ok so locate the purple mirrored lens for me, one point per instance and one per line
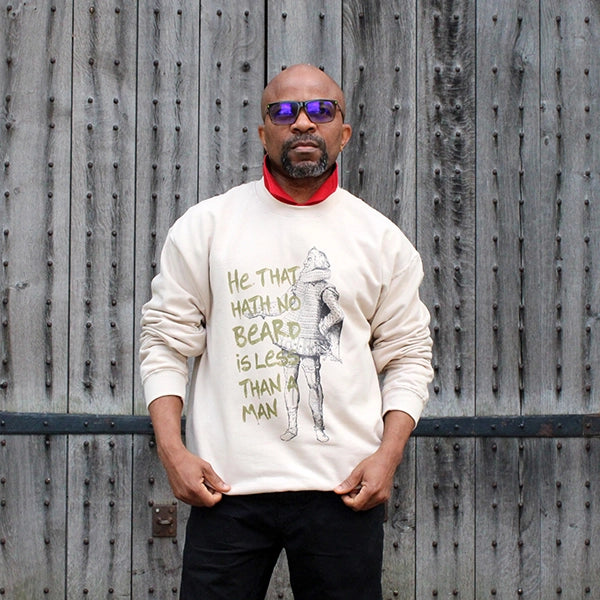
(283, 113)
(320, 111)
(285, 110)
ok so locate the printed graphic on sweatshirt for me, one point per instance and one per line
(305, 323)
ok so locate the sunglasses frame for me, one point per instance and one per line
(302, 105)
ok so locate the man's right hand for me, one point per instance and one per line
(192, 479)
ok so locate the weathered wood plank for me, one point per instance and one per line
(102, 211)
(445, 518)
(570, 528)
(380, 83)
(35, 83)
(399, 559)
(562, 292)
(507, 179)
(156, 562)
(531, 458)
(167, 136)
(231, 83)
(99, 509)
(446, 184)
(568, 38)
(501, 554)
(32, 517)
(304, 32)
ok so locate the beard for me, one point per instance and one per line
(306, 168)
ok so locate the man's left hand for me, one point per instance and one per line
(370, 483)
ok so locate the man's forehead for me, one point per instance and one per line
(301, 80)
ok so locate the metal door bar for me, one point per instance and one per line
(564, 425)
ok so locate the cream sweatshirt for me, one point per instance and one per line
(291, 314)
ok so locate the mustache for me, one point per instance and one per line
(303, 139)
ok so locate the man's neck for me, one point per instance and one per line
(301, 190)
(304, 191)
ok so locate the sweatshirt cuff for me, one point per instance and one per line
(164, 383)
(405, 400)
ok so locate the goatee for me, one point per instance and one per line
(306, 168)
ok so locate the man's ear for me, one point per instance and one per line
(261, 135)
(346, 134)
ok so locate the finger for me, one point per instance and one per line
(201, 495)
(208, 497)
(358, 498)
(368, 497)
(213, 481)
(352, 483)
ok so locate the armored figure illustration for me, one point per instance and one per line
(319, 317)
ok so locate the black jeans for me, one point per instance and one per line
(333, 552)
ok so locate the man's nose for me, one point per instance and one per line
(303, 123)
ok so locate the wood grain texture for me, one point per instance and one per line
(569, 481)
(99, 509)
(445, 512)
(32, 517)
(502, 537)
(379, 79)
(279, 587)
(565, 326)
(446, 184)
(156, 562)
(399, 557)
(35, 75)
(507, 180)
(304, 32)
(102, 210)
(231, 79)
(167, 137)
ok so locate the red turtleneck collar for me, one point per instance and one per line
(329, 186)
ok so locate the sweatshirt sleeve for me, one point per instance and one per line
(173, 323)
(401, 341)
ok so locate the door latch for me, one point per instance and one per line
(164, 520)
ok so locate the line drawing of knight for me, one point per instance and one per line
(318, 314)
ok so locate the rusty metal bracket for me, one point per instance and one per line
(164, 520)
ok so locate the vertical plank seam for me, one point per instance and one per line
(539, 119)
(475, 153)
(69, 304)
(475, 299)
(135, 205)
(416, 122)
(132, 495)
(198, 99)
(266, 43)
(539, 523)
(417, 244)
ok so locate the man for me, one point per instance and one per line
(236, 256)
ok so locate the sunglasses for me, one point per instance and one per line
(318, 111)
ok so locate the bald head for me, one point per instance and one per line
(302, 82)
